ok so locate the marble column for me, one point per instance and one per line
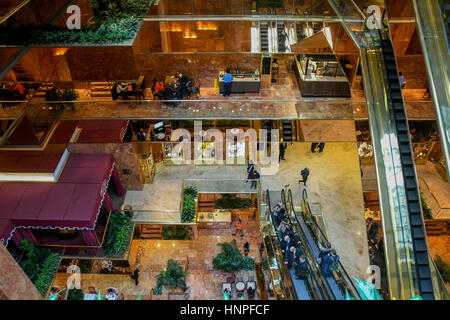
(14, 283)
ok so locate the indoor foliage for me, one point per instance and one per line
(444, 268)
(172, 277)
(75, 294)
(176, 233)
(118, 234)
(53, 95)
(231, 201)
(231, 259)
(427, 213)
(189, 200)
(40, 265)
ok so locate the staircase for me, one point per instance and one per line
(264, 36)
(409, 172)
(150, 231)
(206, 202)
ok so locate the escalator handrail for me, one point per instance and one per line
(283, 269)
(316, 273)
(341, 269)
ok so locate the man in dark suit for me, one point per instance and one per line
(285, 245)
(304, 173)
(314, 146)
(294, 256)
(254, 175)
(321, 146)
(302, 268)
(283, 147)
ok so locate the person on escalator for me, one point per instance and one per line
(301, 268)
(283, 226)
(323, 252)
(334, 265)
(285, 244)
(294, 256)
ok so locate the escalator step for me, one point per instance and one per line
(418, 232)
(407, 160)
(401, 127)
(420, 245)
(410, 183)
(424, 272)
(396, 95)
(398, 106)
(412, 195)
(416, 220)
(421, 258)
(409, 172)
(414, 208)
(405, 150)
(391, 66)
(403, 137)
(399, 116)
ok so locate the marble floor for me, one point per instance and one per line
(151, 256)
(334, 185)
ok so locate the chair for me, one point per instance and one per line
(251, 284)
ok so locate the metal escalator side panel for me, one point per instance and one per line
(435, 46)
(399, 250)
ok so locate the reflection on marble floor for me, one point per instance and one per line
(151, 256)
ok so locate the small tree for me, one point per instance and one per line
(172, 277)
(231, 259)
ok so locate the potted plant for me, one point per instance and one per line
(172, 277)
(54, 96)
(189, 203)
(231, 259)
(75, 294)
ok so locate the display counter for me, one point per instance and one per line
(321, 76)
(242, 83)
(215, 220)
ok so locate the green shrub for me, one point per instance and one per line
(75, 294)
(47, 273)
(176, 233)
(427, 213)
(231, 259)
(172, 277)
(189, 200)
(61, 95)
(118, 234)
(444, 268)
(231, 201)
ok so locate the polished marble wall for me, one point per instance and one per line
(14, 283)
(124, 156)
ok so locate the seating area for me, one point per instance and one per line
(238, 288)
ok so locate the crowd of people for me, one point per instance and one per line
(15, 92)
(291, 247)
(182, 86)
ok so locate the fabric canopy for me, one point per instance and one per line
(73, 202)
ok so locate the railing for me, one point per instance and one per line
(340, 275)
(441, 290)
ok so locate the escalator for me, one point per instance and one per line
(264, 36)
(339, 282)
(406, 251)
(288, 130)
(445, 9)
(281, 39)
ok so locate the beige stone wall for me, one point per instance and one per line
(14, 283)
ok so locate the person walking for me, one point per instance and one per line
(321, 146)
(227, 79)
(314, 146)
(283, 147)
(135, 276)
(246, 248)
(250, 169)
(304, 173)
(239, 228)
(254, 176)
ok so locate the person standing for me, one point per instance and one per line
(283, 147)
(246, 248)
(135, 276)
(250, 169)
(304, 173)
(227, 79)
(321, 146)
(314, 147)
(301, 268)
(239, 228)
(402, 80)
(254, 176)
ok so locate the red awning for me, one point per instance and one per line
(73, 202)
